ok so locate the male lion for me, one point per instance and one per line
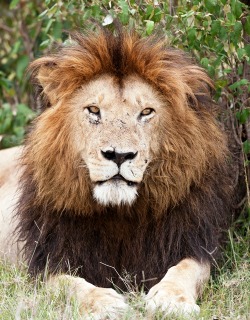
(124, 170)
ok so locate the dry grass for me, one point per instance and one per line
(227, 296)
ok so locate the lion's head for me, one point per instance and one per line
(123, 119)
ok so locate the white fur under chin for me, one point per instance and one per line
(110, 193)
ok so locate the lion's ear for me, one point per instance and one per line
(44, 82)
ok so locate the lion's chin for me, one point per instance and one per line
(115, 193)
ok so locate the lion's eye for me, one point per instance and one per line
(147, 112)
(94, 110)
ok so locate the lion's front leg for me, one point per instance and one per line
(178, 290)
(98, 303)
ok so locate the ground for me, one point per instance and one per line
(226, 297)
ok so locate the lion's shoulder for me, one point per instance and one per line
(9, 176)
(9, 168)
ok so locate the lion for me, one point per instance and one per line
(124, 170)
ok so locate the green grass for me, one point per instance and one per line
(227, 295)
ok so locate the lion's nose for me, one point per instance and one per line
(117, 157)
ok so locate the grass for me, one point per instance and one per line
(226, 297)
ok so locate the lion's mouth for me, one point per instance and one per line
(118, 177)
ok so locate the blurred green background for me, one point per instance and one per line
(216, 33)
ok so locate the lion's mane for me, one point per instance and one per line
(184, 199)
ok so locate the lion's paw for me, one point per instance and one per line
(165, 298)
(102, 304)
(95, 303)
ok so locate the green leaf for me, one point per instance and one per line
(236, 34)
(238, 84)
(210, 41)
(149, 27)
(223, 35)
(246, 146)
(240, 69)
(157, 15)
(51, 12)
(222, 83)
(205, 62)
(9, 141)
(43, 14)
(49, 25)
(241, 53)
(220, 48)
(191, 35)
(5, 83)
(211, 71)
(247, 25)
(45, 44)
(238, 9)
(6, 122)
(25, 110)
(247, 50)
(210, 5)
(215, 27)
(21, 66)
(188, 14)
(14, 4)
(124, 15)
(96, 10)
(243, 115)
(231, 17)
(238, 28)
(16, 46)
(19, 131)
(149, 12)
(57, 30)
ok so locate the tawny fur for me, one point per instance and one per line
(184, 199)
(192, 141)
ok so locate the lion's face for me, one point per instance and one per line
(116, 134)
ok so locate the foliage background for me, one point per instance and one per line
(216, 33)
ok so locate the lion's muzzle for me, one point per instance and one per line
(122, 186)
